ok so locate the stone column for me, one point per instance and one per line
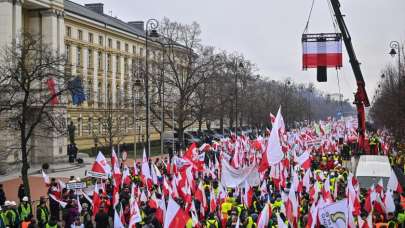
(11, 21)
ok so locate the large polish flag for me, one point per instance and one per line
(175, 215)
(101, 165)
(393, 183)
(322, 53)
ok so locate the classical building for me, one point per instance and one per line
(103, 50)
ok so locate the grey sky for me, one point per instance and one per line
(268, 32)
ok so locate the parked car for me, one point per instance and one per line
(170, 137)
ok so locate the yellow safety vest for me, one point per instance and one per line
(212, 222)
(25, 211)
(13, 217)
(189, 223)
(44, 215)
(49, 226)
(251, 223)
(226, 206)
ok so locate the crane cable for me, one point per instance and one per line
(332, 16)
(309, 17)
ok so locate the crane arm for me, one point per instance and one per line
(352, 55)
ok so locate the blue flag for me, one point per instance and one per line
(77, 91)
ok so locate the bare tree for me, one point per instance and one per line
(188, 64)
(26, 103)
(388, 99)
(112, 124)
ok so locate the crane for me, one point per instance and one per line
(360, 98)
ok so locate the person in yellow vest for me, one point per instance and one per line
(25, 208)
(52, 224)
(392, 222)
(1, 217)
(212, 222)
(11, 215)
(42, 213)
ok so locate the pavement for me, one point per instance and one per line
(63, 171)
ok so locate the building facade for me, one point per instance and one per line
(104, 51)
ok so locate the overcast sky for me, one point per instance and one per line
(268, 32)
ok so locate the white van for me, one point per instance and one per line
(371, 168)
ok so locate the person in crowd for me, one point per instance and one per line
(102, 218)
(21, 192)
(25, 209)
(42, 213)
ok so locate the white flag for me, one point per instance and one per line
(334, 215)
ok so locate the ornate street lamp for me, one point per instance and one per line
(150, 32)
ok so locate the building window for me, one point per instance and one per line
(100, 61)
(90, 125)
(68, 54)
(89, 91)
(99, 93)
(141, 52)
(80, 34)
(134, 49)
(118, 64)
(90, 37)
(109, 62)
(90, 58)
(68, 31)
(126, 48)
(110, 43)
(118, 96)
(79, 125)
(79, 56)
(118, 45)
(126, 65)
(100, 40)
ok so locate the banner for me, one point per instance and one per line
(334, 215)
(75, 185)
(96, 175)
(232, 177)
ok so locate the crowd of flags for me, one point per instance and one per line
(243, 164)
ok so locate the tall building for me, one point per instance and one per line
(105, 52)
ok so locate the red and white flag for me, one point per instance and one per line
(322, 53)
(264, 217)
(146, 170)
(393, 183)
(304, 160)
(101, 165)
(62, 204)
(96, 199)
(175, 215)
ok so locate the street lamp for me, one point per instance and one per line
(241, 66)
(136, 87)
(150, 32)
(396, 46)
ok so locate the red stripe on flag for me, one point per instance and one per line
(328, 60)
(52, 89)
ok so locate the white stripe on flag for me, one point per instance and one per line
(327, 47)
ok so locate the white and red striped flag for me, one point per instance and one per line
(175, 215)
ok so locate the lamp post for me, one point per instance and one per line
(152, 25)
(240, 65)
(396, 49)
(136, 86)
